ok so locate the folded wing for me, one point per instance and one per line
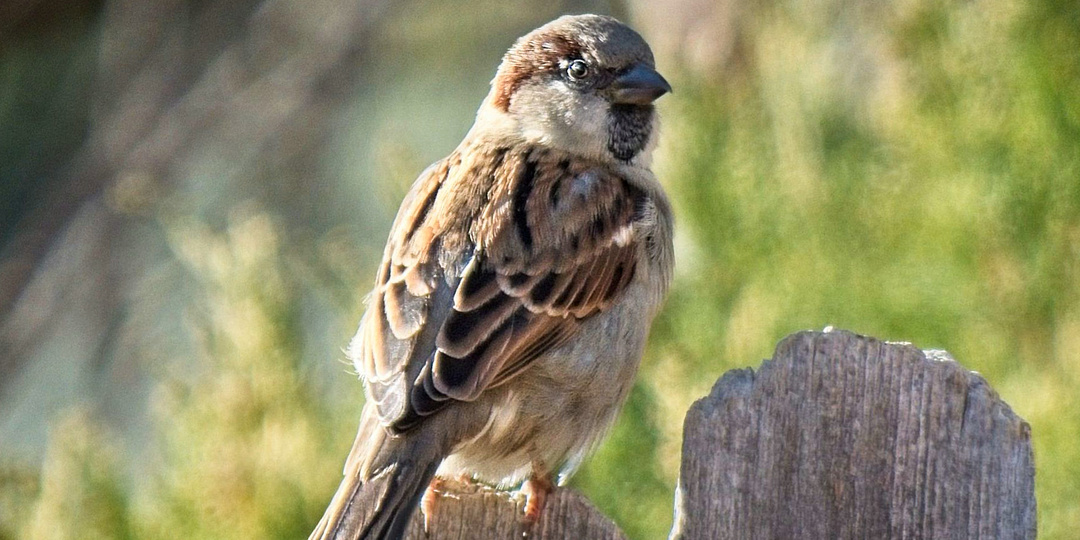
(486, 273)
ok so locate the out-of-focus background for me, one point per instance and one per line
(194, 194)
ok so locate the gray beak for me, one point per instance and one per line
(640, 85)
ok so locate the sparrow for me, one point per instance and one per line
(518, 285)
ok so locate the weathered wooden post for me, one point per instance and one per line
(474, 512)
(838, 436)
(844, 436)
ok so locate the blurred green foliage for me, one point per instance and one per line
(909, 171)
(245, 439)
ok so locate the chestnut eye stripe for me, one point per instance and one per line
(539, 55)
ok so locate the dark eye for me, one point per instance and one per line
(577, 70)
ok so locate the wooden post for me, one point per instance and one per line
(476, 512)
(844, 436)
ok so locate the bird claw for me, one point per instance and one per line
(429, 500)
(536, 489)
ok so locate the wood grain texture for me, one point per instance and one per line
(844, 436)
(478, 513)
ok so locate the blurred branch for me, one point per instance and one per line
(250, 83)
(19, 16)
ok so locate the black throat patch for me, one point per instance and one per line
(629, 127)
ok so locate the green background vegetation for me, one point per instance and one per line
(909, 171)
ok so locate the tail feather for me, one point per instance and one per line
(385, 477)
(406, 489)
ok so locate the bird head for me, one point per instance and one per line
(583, 84)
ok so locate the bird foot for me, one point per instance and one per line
(438, 488)
(536, 490)
(429, 500)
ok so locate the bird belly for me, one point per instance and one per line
(553, 414)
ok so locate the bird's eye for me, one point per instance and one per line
(577, 70)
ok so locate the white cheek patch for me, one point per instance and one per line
(593, 120)
(554, 114)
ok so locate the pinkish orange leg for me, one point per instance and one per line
(536, 489)
(435, 489)
(429, 500)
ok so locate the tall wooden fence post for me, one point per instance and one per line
(844, 436)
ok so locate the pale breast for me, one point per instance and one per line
(555, 413)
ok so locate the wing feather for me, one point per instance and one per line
(480, 278)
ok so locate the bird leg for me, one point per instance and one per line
(435, 490)
(536, 489)
(427, 502)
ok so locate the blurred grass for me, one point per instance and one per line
(909, 171)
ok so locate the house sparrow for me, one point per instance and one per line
(518, 285)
